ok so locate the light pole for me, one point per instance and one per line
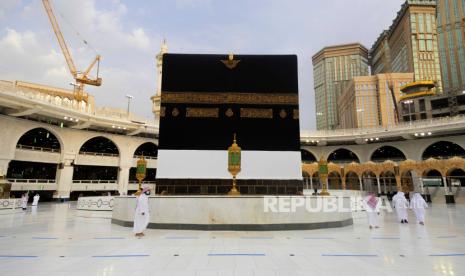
(129, 102)
(360, 110)
(74, 85)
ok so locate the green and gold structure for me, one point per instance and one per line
(234, 165)
(323, 174)
(141, 171)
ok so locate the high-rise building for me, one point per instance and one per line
(411, 44)
(380, 55)
(451, 32)
(371, 101)
(333, 66)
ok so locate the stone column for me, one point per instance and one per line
(379, 184)
(422, 187)
(416, 178)
(398, 183)
(446, 189)
(361, 183)
(4, 166)
(64, 180)
(343, 181)
(123, 179)
(311, 183)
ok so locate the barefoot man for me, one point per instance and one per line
(142, 215)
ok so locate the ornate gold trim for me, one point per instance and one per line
(257, 113)
(283, 114)
(230, 62)
(295, 114)
(229, 112)
(193, 112)
(229, 98)
(162, 111)
(175, 112)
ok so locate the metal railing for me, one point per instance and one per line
(58, 98)
(99, 154)
(381, 160)
(146, 157)
(428, 123)
(90, 181)
(63, 99)
(245, 189)
(143, 182)
(343, 161)
(43, 149)
(444, 157)
(32, 181)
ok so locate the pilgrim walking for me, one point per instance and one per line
(35, 200)
(400, 203)
(142, 215)
(371, 203)
(24, 199)
(418, 205)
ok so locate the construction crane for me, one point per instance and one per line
(81, 78)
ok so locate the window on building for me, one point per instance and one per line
(421, 28)
(422, 45)
(428, 23)
(438, 104)
(413, 20)
(422, 104)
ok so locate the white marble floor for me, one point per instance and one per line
(53, 241)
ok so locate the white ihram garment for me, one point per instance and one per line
(24, 200)
(141, 215)
(35, 202)
(400, 204)
(372, 213)
(418, 205)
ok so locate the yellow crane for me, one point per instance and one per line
(80, 78)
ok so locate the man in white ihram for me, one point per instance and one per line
(24, 199)
(418, 205)
(35, 200)
(142, 215)
(400, 203)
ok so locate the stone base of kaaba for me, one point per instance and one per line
(242, 213)
(222, 186)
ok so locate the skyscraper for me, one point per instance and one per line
(411, 44)
(369, 101)
(333, 67)
(451, 32)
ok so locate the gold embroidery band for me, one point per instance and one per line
(192, 112)
(257, 113)
(229, 98)
(162, 111)
(296, 114)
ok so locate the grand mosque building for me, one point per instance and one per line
(222, 180)
(64, 148)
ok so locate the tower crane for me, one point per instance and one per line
(81, 78)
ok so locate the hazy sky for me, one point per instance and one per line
(128, 35)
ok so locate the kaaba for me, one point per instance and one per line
(206, 100)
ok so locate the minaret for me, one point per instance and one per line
(156, 99)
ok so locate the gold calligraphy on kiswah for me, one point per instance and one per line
(230, 98)
(193, 112)
(262, 113)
